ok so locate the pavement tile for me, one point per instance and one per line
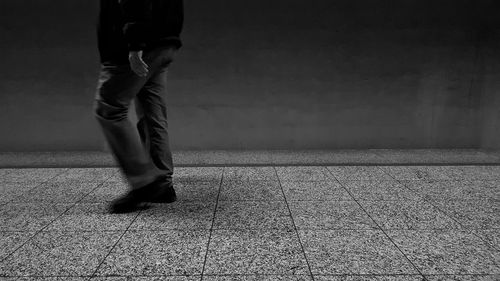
(149, 278)
(177, 215)
(408, 215)
(259, 251)
(106, 192)
(250, 190)
(190, 174)
(257, 278)
(69, 191)
(65, 278)
(462, 277)
(197, 191)
(252, 214)
(315, 190)
(86, 175)
(116, 175)
(418, 172)
(29, 217)
(353, 252)
(375, 190)
(91, 217)
(491, 236)
(250, 173)
(10, 241)
(447, 251)
(437, 155)
(330, 215)
(475, 172)
(60, 254)
(455, 190)
(301, 173)
(344, 173)
(473, 214)
(156, 253)
(11, 190)
(29, 174)
(369, 278)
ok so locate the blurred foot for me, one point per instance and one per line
(164, 193)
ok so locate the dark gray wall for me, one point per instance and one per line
(274, 74)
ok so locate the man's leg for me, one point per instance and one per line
(118, 86)
(153, 125)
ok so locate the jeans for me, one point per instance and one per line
(142, 152)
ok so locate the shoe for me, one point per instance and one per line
(125, 204)
(165, 193)
(132, 201)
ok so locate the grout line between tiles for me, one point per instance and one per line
(213, 223)
(56, 218)
(294, 226)
(446, 213)
(380, 228)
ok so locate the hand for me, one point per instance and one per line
(137, 63)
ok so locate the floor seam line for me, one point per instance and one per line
(213, 223)
(380, 228)
(294, 225)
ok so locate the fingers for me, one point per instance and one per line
(139, 67)
(137, 64)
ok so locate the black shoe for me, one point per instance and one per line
(125, 204)
(165, 193)
(132, 201)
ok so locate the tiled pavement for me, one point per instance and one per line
(256, 223)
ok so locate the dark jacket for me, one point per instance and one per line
(132, 25)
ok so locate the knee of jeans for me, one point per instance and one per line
(108, 112)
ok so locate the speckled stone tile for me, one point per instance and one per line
(353, 252)
(475, 172)
(149, 278)
(58, 192)
(197, 191)
(106, 192)
(437, 156)
(375, 190)
(417, 172)
(462, 277)
(91, 217)
(10, 241)
(491, 236)
(190, 174)
(250, 173)
(11, 190)
(29, 217)
(301, 173)
(177, 215)
(116, 175)
(408, 215)
(252, 215)
(473, 214)
(145, 253)
(344, 173)
(447, 251)
(251, 190)
(455, 190)
(315, 190)
(65, 278)
(259, 251)
(86, 175)
(414, 277)
(30, 174)
(330, 215)
(258, 278)
(60, 254)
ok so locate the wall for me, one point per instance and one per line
(276, 74)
